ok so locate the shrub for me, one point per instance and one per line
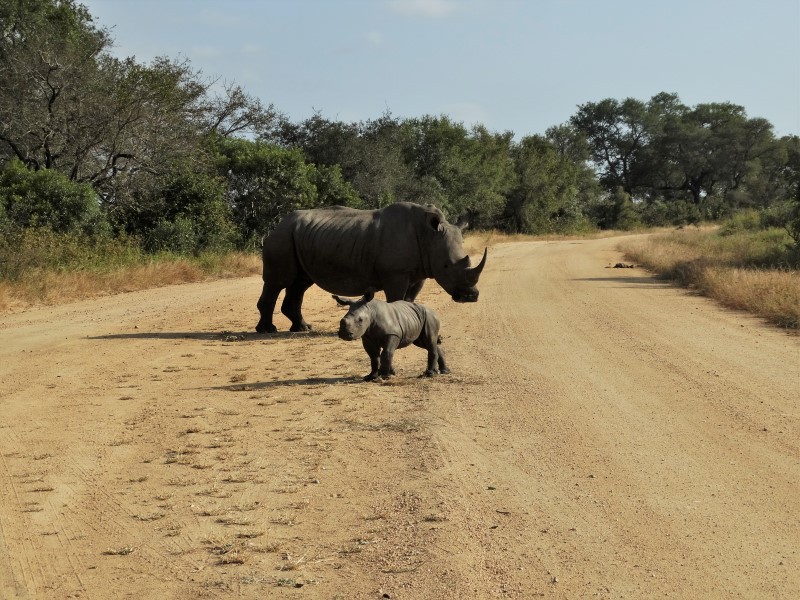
(48, 199)
(747, 220)
(177, 237)
(659, 213)
(778, 215)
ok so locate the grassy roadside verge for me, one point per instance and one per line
(42, 268)
(57, 287)
(752, 271)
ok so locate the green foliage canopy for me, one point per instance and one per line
(93, 143)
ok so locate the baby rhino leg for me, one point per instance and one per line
(442, 364)
(436, 362)
(373, 350)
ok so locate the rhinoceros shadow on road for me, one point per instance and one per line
(629, 281)
(220, 336)
(265, 385)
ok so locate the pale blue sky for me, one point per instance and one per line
(509, 64)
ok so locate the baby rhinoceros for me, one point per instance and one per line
(385, 326)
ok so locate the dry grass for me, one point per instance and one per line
(743, 272)
(59, 286)
(476, 241)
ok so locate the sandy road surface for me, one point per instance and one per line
(602, 435)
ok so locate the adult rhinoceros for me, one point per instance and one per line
(347, 251)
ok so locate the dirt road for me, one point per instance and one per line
(603, 435)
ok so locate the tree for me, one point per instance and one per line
(792, 190)
(466, 172)
(547, 196)
(265, 182)
(324, 142)
(66, 104)
(382, 173)
(616, 132)
(48, 54)
(615, 211)
(684, 163)
(712, 149)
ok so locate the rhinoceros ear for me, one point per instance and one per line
(434, 222)
(342, 301)
(435, 218)
(369, 295)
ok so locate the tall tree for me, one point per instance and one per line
(550, 189)
(266, 181)
(48, 66)
(617, 132)
(67, 104)
(466, 172)
(710, 150)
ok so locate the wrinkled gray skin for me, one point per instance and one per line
(346, 251)
(386, 326)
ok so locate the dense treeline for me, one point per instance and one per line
(96, 146)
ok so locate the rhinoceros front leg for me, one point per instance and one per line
(413, 291)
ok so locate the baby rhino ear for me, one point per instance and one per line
(342, 301)
(369, 295)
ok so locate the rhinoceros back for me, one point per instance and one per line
(337, 247)
(346, 251)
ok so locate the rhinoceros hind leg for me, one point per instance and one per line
(293, 302)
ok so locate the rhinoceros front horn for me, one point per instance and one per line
(475, 272)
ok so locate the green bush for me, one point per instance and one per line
(195, 212)
(177, 237)
(778, 215)
(48, 199)
(265, 182)
(747, 220)
(660, 213)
